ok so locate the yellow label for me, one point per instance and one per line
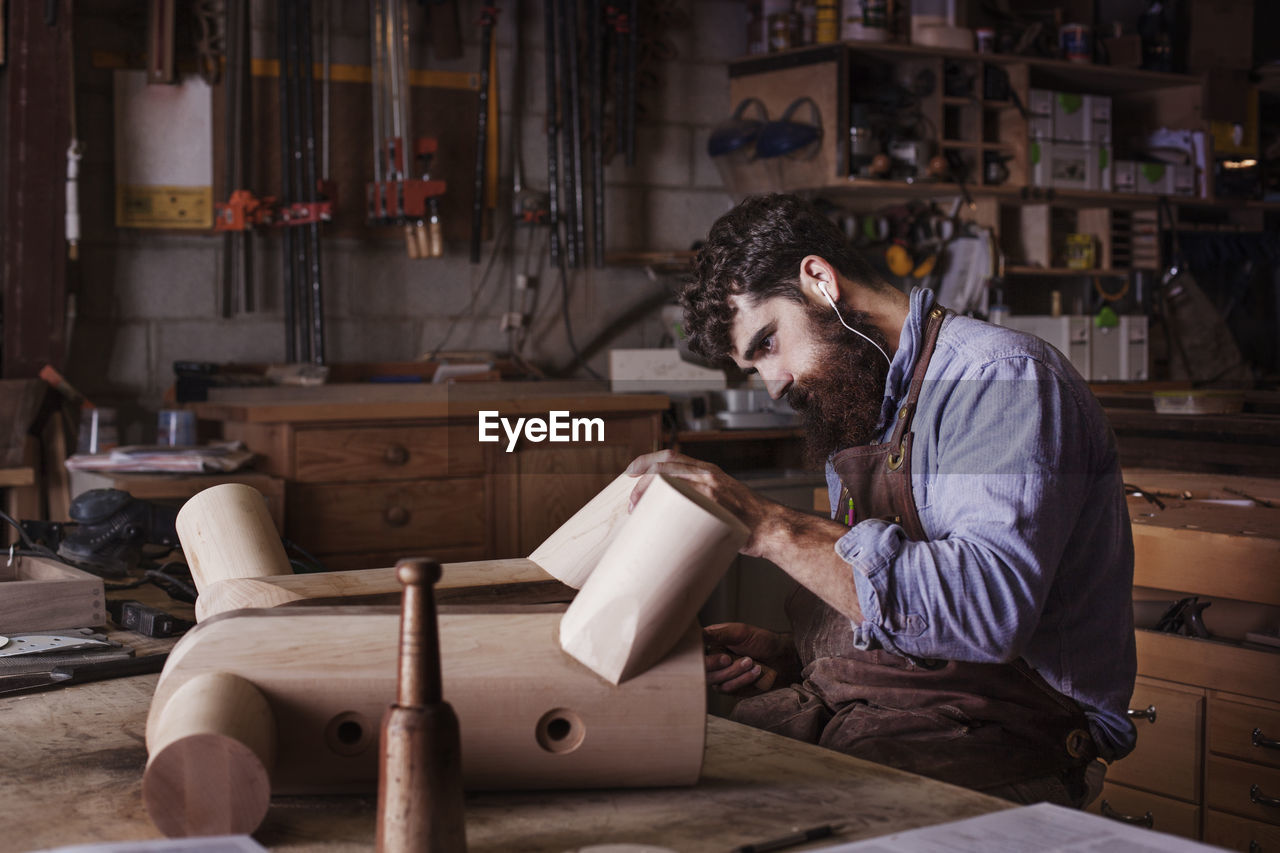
(164, 207)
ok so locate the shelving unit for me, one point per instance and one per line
(968, 108)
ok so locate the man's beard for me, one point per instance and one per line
(839, 403)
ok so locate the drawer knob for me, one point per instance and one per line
(397, 516)
(1256, 796)
(1149, 714)
(396, 454)
(1259, 739)
(1146, 820)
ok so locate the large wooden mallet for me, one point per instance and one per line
(420, 800)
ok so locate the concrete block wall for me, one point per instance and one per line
(145, 299)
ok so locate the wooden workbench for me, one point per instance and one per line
(73, 761)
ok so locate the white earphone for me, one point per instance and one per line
(827, 294)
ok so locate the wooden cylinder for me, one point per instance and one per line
(212, 751)
(420, 802)
(651, 581)
(227, 532)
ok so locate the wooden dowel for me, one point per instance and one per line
(211, 756)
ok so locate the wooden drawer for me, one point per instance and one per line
(349, 454)
(1234, 786)
(1162, 814)
(403, 517)
(1239, 833)
(1233, 722)
(1168, 755)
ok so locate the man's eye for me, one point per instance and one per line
(766, 345)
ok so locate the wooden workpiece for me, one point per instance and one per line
(651, 580)
(531, 716)
(754, 785)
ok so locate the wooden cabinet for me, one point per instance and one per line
(1210, 760)
(373, 473)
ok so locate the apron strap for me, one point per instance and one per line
(936, 316)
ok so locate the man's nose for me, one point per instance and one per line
(778, 385)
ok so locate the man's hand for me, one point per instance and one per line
(742, 658)
(709, 480)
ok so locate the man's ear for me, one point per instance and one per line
(817, 276)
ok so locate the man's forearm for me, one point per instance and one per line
(803, 546)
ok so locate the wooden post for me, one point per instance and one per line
(420, 801)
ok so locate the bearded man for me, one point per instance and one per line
(966, 613)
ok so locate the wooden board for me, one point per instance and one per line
(40, 594)
(330, 673)
(754, 785)
(496, 581)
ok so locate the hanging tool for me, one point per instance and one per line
(633, 29)
(160, 42)
(488, 18)
(575, 121)
(420, 798)
(237, 286)
(553, 133)
(595, 77)
(571, 127)
(395, 196)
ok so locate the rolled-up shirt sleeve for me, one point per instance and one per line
(1004, 492)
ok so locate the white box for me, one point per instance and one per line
(1039, 154)
(1070, 166)
(1184, 179)
(1070, 118)
(1097, 115)
(1040, 127)
(1156, 178)
(1069, 334)
(644, 370)
(1125, 176)
(1102, 175)
(1040, 102)
(1120, 353)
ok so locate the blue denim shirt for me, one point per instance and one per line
(1029, 551)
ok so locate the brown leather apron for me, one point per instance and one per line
(972, 724)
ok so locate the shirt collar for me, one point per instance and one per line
(910, 339)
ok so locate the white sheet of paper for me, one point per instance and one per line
(1044, 828)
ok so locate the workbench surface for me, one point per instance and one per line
(73, 760)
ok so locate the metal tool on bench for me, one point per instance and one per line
(107, 531)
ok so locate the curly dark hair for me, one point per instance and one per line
(756, 249)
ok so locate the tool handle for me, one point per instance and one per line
(419, 677)
(81, 673)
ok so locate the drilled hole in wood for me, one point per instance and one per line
(560, 730)
(348, 734)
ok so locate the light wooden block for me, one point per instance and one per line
(38, 594)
